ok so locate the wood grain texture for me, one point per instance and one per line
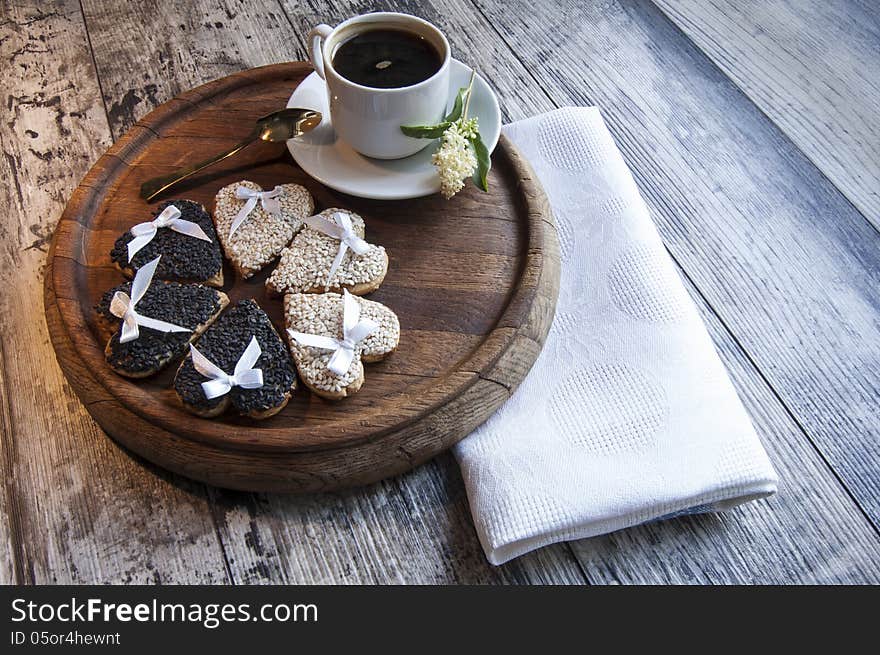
(78, 508)
(787, 263)
(416, 527)
(411, 529)
(812, 67)
(150, 51)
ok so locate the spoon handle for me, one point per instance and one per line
(152, 188)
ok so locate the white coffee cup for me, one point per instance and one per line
(368, 118)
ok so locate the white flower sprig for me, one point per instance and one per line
(454, 159)
(462, 153)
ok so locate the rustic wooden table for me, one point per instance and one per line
(753, 130)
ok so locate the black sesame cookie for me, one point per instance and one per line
(190, 306)
(263, 235)
(306, 263)
(322, 315)
(184, 258)
(223, 344)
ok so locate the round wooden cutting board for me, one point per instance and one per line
(474, 281)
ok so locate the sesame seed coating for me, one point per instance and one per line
(223, 344)
(261, 238)
(183, 257)
(186, 305)
(321, 314)
(305, 264)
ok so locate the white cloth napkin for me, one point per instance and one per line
(628, 415)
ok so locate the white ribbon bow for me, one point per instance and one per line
(245, 375)
(268, 199)
(123, 306)
(354, 330)
(143, 233)
(343, 230)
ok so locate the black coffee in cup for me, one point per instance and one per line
(386, 59)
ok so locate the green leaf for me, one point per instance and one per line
(425, 131)
(436, 131)
(457, 107)
(483, 162)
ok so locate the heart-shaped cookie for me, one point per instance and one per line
(239, 362)
(329, 254)
(331, 335)
(149, 323)
(182, 233)
(254, 225)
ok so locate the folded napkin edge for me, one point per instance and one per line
(724, 500)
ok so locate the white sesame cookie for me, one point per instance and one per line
(321, 314)
(306, 262)
(262, 236)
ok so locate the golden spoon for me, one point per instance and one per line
(279, 126)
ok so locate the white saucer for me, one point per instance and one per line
(330, 161)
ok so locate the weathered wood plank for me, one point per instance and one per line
(413, 529)
(361, 536)
(11, 558)
(286, 527)
(791, 268)
(78, 508)
(813, 67)
(148, 52)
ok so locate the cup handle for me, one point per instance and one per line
(316, 36)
